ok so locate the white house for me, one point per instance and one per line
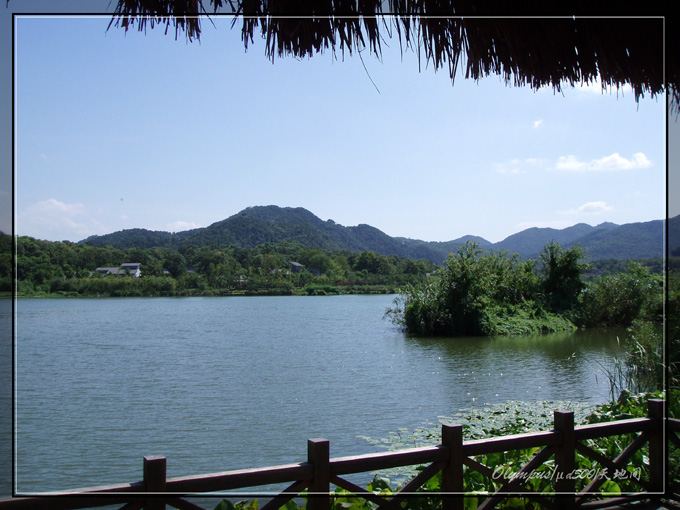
(133, 268)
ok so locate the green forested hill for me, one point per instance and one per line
(133, 238)
(527, 243)
(272, 224)
(674, 236)
(255, 226)
(629, 241)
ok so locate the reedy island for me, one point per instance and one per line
(493, 293)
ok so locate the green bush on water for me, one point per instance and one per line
(486, 293)
(478, 293)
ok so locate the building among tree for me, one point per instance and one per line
(128, 268)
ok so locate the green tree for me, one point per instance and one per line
(321, 262)
(563, 276)
(619, 299)
(175, 263)
(373, 263)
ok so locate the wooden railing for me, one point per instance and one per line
(319, 472)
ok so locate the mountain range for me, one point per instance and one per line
(272, 224)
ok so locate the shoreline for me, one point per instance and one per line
(309, 291)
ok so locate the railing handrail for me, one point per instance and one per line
(387, 460)
(512, 442)
(239, 478)
(673, 424)
(197, 485)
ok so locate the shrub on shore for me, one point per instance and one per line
(621, 298)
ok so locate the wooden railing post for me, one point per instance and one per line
(154, 479)
(565, 459)
(318, 454)
(657, 471)
(452, 474)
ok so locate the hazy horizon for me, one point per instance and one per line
(325, 219)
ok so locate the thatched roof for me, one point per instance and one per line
(567, 45)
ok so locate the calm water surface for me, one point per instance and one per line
(227, 383)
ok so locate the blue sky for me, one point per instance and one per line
(117, 130)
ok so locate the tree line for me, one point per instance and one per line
(474, 292)
(65, 268)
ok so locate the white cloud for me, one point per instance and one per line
(590, 208)
(502, 168)
(587, 209)
(594, 208)
(614, 162)
(179, 226)
(54, 206)
(56, 221)
(518, 166)
(537, 123)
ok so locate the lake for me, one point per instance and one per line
(235, 382)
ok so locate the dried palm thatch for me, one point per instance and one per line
(560, 47)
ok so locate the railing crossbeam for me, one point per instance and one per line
(587, 451)
(613, 428)
(183, 504)
(382, 502)
(513, 442)
(238, 479)
(674, 438)
(488, 472)
(485, 470)
(132, 505)
(417, 481)
(604, 461)
(617, 463)
(289, 493)
(422, 477)
(515, 483)
(388, 460)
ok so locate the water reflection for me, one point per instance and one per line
(569, 366)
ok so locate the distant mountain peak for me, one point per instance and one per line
(608, 225)
(256, 225)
